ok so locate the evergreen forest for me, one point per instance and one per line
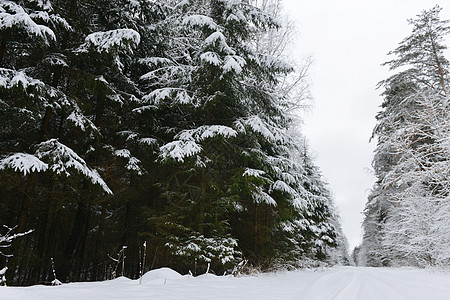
(136, 134)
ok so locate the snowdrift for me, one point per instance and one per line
(335, 283)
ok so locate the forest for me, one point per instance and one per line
(407, 215)
(140, 134)
(137, 134)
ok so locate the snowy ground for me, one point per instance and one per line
(335, 283)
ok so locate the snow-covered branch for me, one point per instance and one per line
(7, 238)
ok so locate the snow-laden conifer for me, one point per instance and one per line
(403, 223)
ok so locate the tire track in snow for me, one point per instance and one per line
(350, 283)
(342, 285)
(351, 290)
(390, 284)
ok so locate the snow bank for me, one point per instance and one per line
(160, 276)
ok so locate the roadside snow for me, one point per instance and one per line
(334, 283)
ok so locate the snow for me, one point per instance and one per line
(259, 196)
(234, 63)
(79, 120)
(201, 248)
(274, 62)
(155, 61)
(283, 187)
(133, 162)
(125, 153)
(234, 18)
(258, 125)
(218, 37)
(335, 283)
(23, 163)
(133, 165)
(56, 60)
(148, 141)
(112, 39)
(158, 274)
(176, 95)
(200, 20)
(187, 145)
(179, 150)
(288, 178)
(63, 160)
(43, 4)
(56, 282)
(253, 173)
(182, 3)
(11, 78)
(230, 3)
(207, 131)
(44, 16)
(299, 202)
(22, 20)
(211, 58)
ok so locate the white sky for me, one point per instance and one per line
(348, 40)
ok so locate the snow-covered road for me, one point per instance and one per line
(379, 283)
(334, 283)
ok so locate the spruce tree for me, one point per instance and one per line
(166, 121)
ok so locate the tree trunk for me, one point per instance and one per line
(5, 37)
(202, 202)
(38, 270)
(99, 242)
(256, 228)
(439, 65)
(77, 229)
(45, 124)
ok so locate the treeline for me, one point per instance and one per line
(407, 216)
(170, 122)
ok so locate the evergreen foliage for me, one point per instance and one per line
(162, 121)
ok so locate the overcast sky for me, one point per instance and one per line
(348, 40)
